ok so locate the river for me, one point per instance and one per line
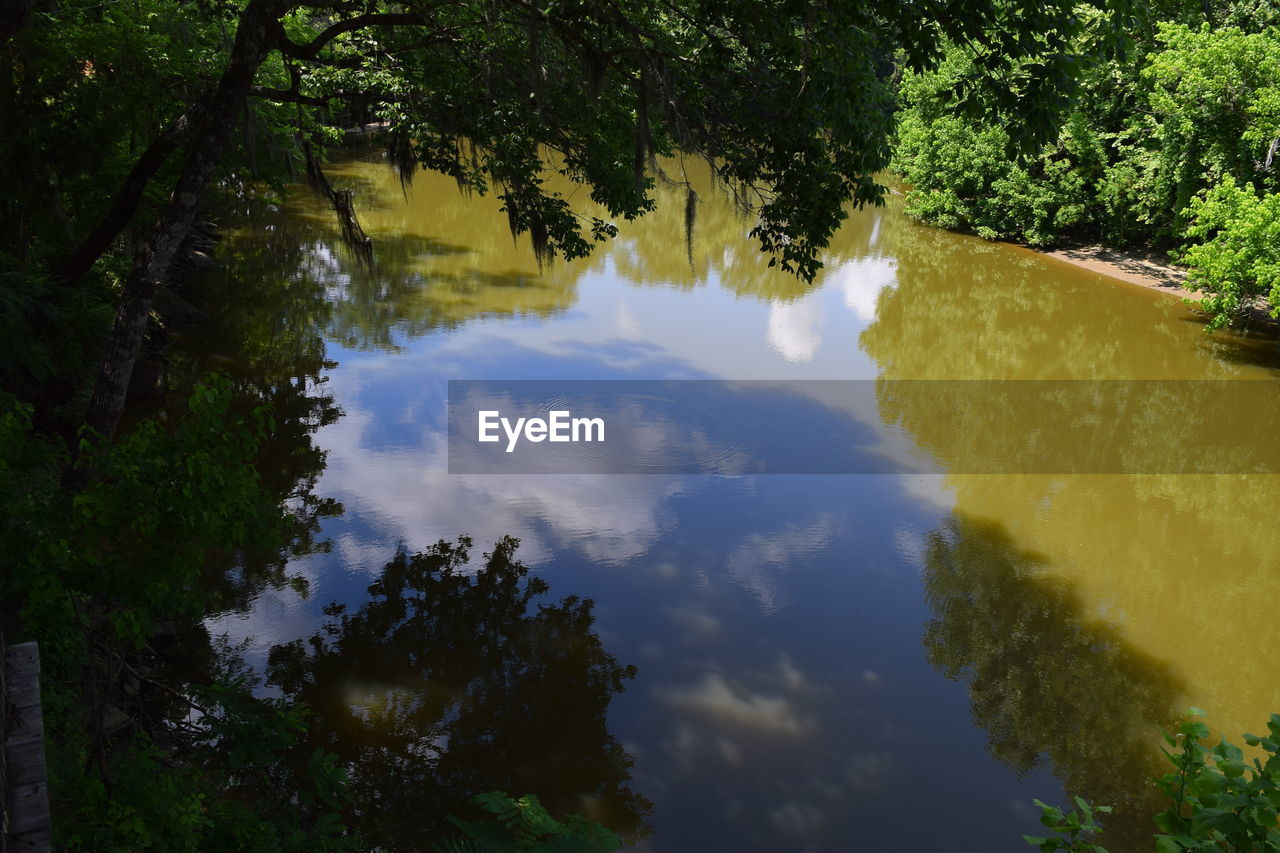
(778, 662)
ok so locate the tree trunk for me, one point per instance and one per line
(257, 35)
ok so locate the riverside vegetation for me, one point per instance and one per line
(1219, 800)
(126, 127)
(1173, 145)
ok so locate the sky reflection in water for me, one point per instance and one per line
(784, 699)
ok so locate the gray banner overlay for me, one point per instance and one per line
(863, 427)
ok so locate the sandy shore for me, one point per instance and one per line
(1151, 269)
(1148, 269)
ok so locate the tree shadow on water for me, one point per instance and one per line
(450, 681)
(1257, 344)
(1047, 680)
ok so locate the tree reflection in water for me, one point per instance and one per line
(265, 331)
(1045, 679)
(449, 682)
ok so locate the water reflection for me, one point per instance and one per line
(448, 682)
(966, 309)
(785, 702)
(417, 283)
(414, 255)
(1048, 678)
(443, 260)
(264, 328)
(1091, 608)
(795, 329)
(1081, 427)
(408, 294)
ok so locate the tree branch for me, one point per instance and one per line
(127, 199)
(293, 96)
(312, 48)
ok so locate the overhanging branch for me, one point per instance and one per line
(312, 49)
(130, 194)
(293, 96)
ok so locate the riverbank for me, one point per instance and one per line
(1149, 268)
(1146, 268)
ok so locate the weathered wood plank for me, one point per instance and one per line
(30, 730)
(23, 658)
(26, 764)
(25, 788)
(28, 809)
(33, 842)
(22, 699)
(4, 753)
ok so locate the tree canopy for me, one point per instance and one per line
(790, 101)
(1153, 150)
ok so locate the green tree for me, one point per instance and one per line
(1214, 98)
(964, 173)
(1238, 262)
(789, 101)
(1195, 102)
(524, 824)
(93, 572)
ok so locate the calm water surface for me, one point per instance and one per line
(820, 662)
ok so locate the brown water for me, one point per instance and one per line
(904, 661)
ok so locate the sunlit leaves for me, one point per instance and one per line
(1144, 133)
(1077, 827)
(1238, 261)
(1214, 94)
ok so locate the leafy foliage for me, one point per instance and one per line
(1238, 261)
(97, 567)
(48, 333)
(129, 547)
(524, 824)
(1076, 826)
(963, 175)
(1219, 800)
(1214, 98)
(1144, 148)
(230, 788)
(794, 111)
